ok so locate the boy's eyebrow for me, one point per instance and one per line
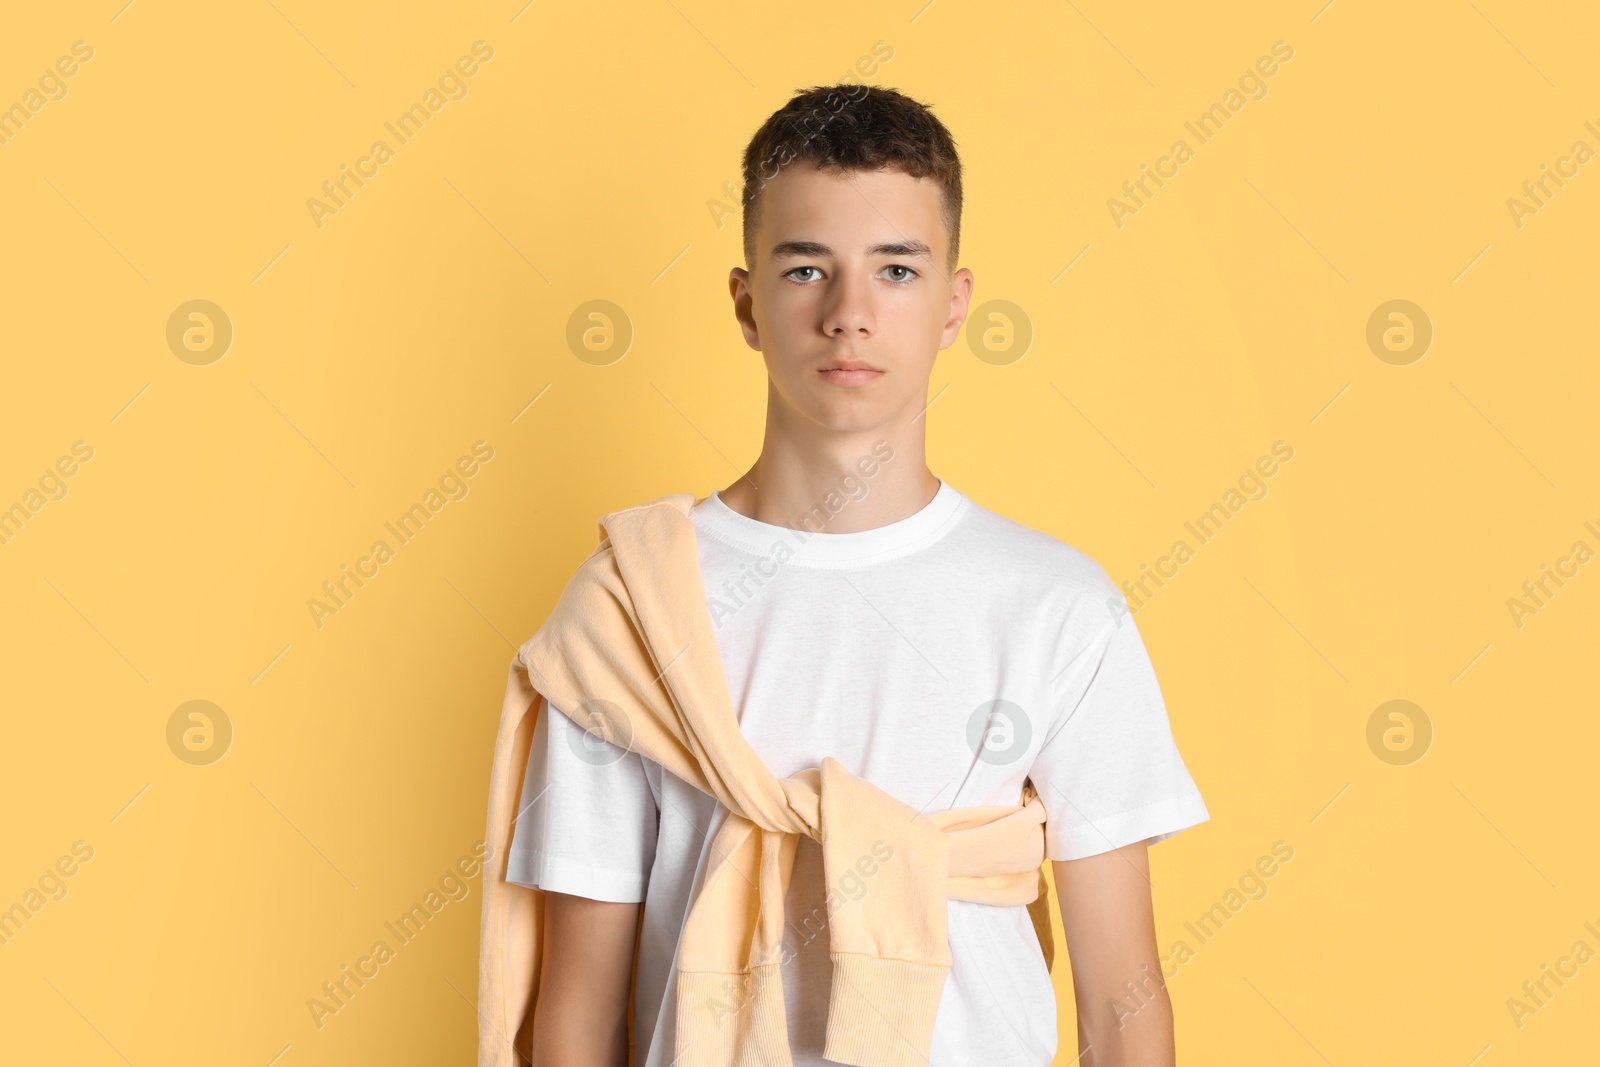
(814, 249)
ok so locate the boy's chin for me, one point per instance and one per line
(853, 412)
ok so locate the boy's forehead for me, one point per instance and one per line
(854, 207)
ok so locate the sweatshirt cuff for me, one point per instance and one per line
(882, 1011)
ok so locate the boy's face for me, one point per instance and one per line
(850, 267)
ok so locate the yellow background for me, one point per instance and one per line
(368, 354)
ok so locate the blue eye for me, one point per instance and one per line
(908, 270)
(789, 272)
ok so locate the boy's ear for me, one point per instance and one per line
(743, 294)
(961, 285)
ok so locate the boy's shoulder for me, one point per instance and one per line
(1031, 557)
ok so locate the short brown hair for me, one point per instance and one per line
(853, 127)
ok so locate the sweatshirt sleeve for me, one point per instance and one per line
(587, 820)
(1109, 772)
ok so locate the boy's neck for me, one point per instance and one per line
(879, 482)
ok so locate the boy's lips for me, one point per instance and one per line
(848, 372)
(848, 375)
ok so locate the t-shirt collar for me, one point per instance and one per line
(810, 548)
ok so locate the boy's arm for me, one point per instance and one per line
(581, 1016)
(1111, 940)
(586, 836)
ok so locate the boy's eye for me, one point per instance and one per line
(906, 275)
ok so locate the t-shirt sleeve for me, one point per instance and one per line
(586, 820)
(1109, 772)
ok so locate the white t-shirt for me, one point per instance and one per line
(891, 650)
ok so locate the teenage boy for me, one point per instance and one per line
(867, 610)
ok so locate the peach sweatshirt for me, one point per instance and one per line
(630, 643)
